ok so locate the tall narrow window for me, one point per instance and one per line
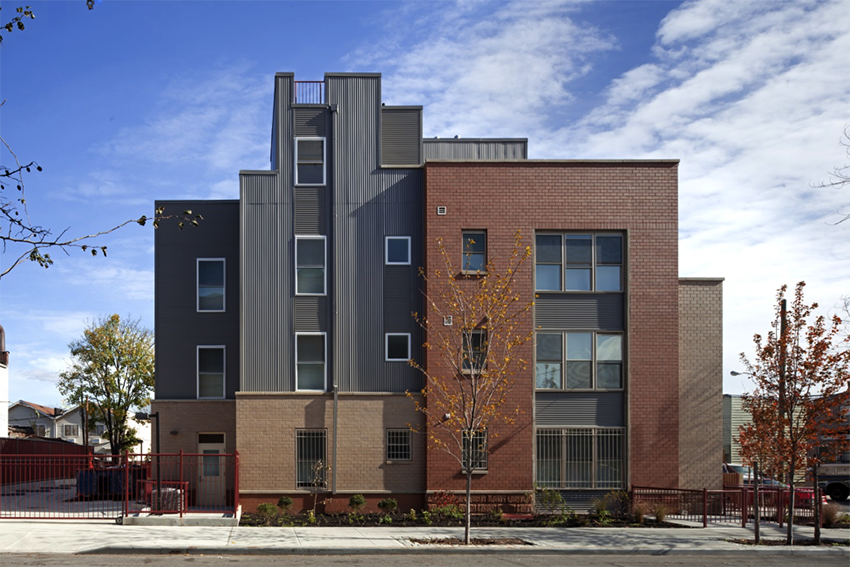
(310, 457)
(548, 262)
(210, 372)
(609, 361)
(310, 265)
(309, 161)
(397, 250)
(474, 355)
(397, 347)
(310, 361)
(475, 450)
(579, 360)
(210, 273)
(609, 260)
(549, 356)
(579, 255)
(474, 251)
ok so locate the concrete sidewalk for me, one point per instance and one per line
(40, 536)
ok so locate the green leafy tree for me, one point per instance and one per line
(112, 371)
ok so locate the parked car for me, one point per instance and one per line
(804, 496)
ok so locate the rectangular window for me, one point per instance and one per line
(475, 450)
(310, 458)
(578, 262)
(210, 372)
(71, 430)
(210, 274)
(397, 250)
(398, 444)
(397, 347)
(40, 431)
(100, 429)
(578, 361)
(309, 161)
(310, 355)
(310, 265)
(581, 458)
(474, 355)
(474, 251)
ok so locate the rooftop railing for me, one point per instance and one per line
(310, 92)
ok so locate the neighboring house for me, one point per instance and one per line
(284, 325)
(734, 418)
(4, 383)
(68, 425)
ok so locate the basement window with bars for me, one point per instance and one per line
(581, 458)
(475, 450)
(311, 458)
(398, 445)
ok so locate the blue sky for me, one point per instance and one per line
(137, 101)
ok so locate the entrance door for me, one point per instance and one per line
(212, 471)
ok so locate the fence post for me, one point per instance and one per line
(126, 483)
(235, 483)
(181, 500)
(705, 507)
(780, 506)
(744, 507)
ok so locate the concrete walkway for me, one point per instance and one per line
(44, 536)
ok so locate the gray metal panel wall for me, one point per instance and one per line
(369, 203)
(311, 210)
(474, 149)
(311, 313)
(401, 136)
(398, 298)
(179, 328)
(563, 409)
(310, 121)
(601, 311)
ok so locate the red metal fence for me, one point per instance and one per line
(732, 505)
(40, 486)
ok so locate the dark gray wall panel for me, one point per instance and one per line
(175, 262)
(600, 311)
(369, 203)
(310, 210)
(563, 409)
(311, 313)
(310, 121)
(472, 149)
(401, 136)
(398, 297)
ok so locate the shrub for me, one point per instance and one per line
(386, 520)
(639, 510)
(497, 513)
(388, 505)
(659, 510)
(549, 500)
(831, 515)
(356, 502)
(443, 498)
(450, 512)
(618, 503)
(284, 503)
(267, 512)
(411, 515)
(426, 517)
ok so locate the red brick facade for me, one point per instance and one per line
(638, 198)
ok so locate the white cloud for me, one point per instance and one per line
(112, 277)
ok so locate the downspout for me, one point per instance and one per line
(332, 254)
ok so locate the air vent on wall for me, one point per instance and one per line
(441, 211)
(447, 321)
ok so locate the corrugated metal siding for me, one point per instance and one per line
(398, 295)
(401, 136)
(369, 203)
(734, 417)
(474, 149)
(562, 409)
(310, 210)
(311, 313)
(310, 121)
(602, 311)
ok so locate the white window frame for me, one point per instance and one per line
(198, 285)
(324, 265)
(387, 250)
(75, 430)
(324, 160)
(198, 372)
(324, 362)
(387, 347)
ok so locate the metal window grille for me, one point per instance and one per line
(475, 451)
(310, 457)
(577, 458)
(398, 444)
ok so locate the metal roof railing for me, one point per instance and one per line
(310, 92)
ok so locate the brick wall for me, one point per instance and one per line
(190, 417)
(639, 198)
(700, 382)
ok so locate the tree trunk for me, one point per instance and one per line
(756, 502)
(468, 501)
(789, 537)
(816, 504)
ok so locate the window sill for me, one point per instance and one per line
(579, 390)
(473, 273)
(310, 184)
(476, 471)
(399, 462)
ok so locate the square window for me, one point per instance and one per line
(210, 372)
(311, 458)
(397, 250)
(210, 276)
(397, 347)
(474, 251)
(310, 265)
(309, 161)
(398, 444)
(310, 361)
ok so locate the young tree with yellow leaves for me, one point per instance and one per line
(801, 373)
(476, 322)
